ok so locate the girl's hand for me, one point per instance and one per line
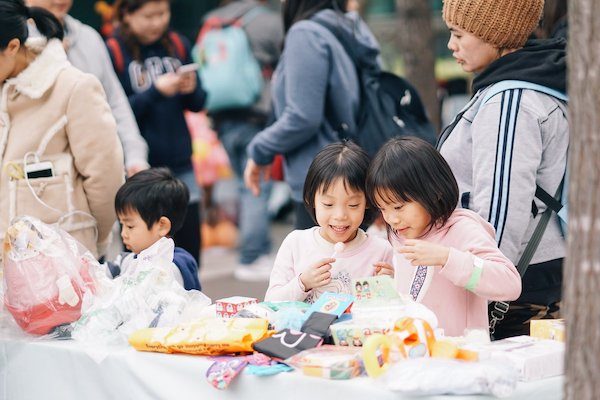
(421, 252)
(188, 82)
(168, 84)
(317, 275)
(383, 268)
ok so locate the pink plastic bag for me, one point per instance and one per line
(208, 155)
(46, 274)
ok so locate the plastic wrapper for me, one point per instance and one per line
(430, 376)
(46, 275)
(210, 336)
(331, 362)
(145, 295)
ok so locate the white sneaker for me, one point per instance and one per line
(259, 270)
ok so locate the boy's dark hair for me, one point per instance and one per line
(411, 169)
(344, 160)
(154, 193)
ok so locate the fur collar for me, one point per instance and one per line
(41, 74)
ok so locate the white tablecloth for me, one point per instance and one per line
(67, 370)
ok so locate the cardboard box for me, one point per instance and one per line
(353, 334)
(552, 329)
(533, 358)
(229, 306)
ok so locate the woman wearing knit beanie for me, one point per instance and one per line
(511, 136)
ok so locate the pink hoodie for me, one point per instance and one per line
(476, 271)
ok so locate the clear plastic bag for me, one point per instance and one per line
(145, 295)
(46, 275)
(431, 376)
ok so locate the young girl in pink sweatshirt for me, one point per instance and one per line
(446, 258)
(327, 257)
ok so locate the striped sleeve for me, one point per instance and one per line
(507, 150)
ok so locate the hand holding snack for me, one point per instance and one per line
(421, 252)
(383, 268)
(318, 274)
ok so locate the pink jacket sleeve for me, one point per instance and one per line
(479, 266)
(284, 283)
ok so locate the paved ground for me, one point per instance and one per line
(218, 264)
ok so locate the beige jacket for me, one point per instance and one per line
(54, 112)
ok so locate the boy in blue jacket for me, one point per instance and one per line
(152, 205)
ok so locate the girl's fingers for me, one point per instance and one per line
(326, 261)
(323, 268)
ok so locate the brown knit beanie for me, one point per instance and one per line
(505, 24)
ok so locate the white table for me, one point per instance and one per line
(68, 370)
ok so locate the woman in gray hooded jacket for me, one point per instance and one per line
(501, 147)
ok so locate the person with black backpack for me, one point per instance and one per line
(314, 84)
(508, 146)
(150, 62)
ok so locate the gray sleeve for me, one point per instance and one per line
(306, 77)
(507, 151)
(135, 148)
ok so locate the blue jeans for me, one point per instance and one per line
(253, 221)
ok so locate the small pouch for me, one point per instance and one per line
(286, 343)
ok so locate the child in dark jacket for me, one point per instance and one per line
(150, 206)
(147, 57)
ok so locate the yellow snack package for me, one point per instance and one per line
(150, 339)
(211, 336)
(553, 329)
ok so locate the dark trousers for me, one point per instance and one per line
(540, 299)
(188, 237)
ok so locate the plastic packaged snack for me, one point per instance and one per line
(211, 336)
(330, 362)
(46, 274)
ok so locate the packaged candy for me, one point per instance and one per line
(354, 334)
(331, 303)
(330, 362)
(553, 329)
(228, 307)
(211, 336)
(411, 338)
(224, 370)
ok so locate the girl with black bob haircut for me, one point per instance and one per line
(447, 258)
(329, 256)
(413, 171)
(57, 130)
(346, 161)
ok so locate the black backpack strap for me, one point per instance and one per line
(343, 39)
(553, 203)
(500, 308)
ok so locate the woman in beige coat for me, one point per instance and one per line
(60, 158)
